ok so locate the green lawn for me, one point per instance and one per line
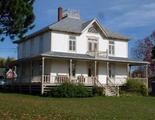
(26, 107)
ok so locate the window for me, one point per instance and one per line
(92, 30)
(32, 47)
(23, 49)
(41, 44)
(73, 68)
(72, 43)
(111, 70)
(92, 44)
(111, 48)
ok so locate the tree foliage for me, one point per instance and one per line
(144, 49)
(5, 62)
(16, 18)
(153, 52)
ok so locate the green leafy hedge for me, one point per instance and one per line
(136, 86)
(97, 91)
(68, 89)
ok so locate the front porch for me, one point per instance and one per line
(53, 71)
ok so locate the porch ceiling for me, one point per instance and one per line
(64, 55)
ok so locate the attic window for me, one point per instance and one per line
(92, 30)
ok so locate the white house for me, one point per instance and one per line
(76, 50)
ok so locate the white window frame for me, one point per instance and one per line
(41, 44)
(92, 29)
(32, 47)
(23, 49)
(93, 42)
(111, 47)
(72, 44)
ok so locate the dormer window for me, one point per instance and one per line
(92, 29)
(72, 43)
(111, 47)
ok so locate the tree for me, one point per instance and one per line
(2, 62)
(16, 18)
(153, 52)
(143, 51)
(8, 62)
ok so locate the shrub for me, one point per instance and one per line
(68, 89)
(136, 86)
(97, 91)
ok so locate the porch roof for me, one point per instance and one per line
(88, 57)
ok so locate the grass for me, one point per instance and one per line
(27, 107)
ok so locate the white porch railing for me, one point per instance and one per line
(48, 79)
(117, 81)
(98, 54)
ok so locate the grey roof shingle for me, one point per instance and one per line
(77, 26)
(70, 25)
(73, 25)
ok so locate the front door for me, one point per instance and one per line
(111, 70)
(91, 69)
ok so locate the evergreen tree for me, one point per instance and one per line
(16, 18)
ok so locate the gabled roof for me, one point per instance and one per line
(70, 25)
(76, 26)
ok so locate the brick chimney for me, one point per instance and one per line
(59, 13)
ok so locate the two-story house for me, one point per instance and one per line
(76, 50)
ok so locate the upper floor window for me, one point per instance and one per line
(111, 47)
(72, 43)
(41, 44)
(92, 44)
(32, 47)
(23, 49)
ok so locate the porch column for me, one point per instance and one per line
(107, 66)
(43, 72)
(70, 66)
(127, 70)
(146, 75)
(95, 73)
(20, 78)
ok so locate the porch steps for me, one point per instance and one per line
(48, 88)
(111, 90)
(108, 90)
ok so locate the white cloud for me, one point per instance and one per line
(140, 16)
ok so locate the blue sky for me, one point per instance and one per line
(129, 17)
